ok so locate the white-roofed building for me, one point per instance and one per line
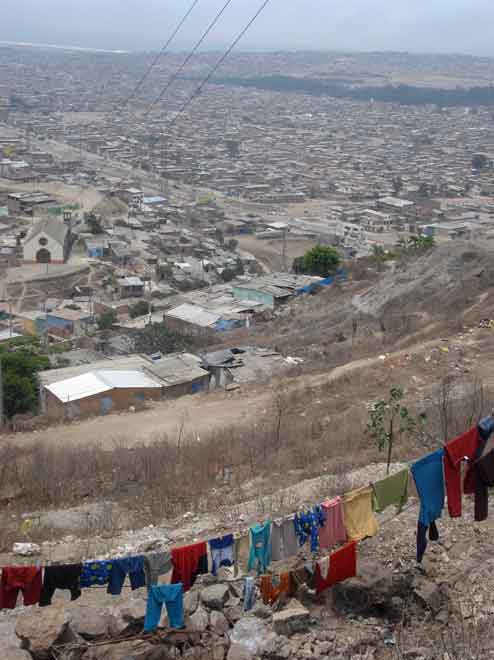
(99, 392)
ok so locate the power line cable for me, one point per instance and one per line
(161, 52)
(200, 87)
(189, 56)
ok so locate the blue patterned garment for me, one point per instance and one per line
(95, 572)
(307, 525)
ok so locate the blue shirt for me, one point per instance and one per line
(429, 479)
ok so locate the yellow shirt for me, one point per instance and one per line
(358, 516)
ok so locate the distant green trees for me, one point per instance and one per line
(321, 260)
(107, 319)
(20, 370)
(141, 308)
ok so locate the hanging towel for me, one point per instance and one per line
(484, 479)
(333, 532)
(189, 562)
(260, 548)
(61, 577)
(283, 540)
(20, 578)
(342, 566)
(172, 596)
(95, 572)
(428, 476)
(156, 564)
(222, 551)
(358, 516)
(271, 592)
(392, 490)
(307, 525)
(249, 593)
(133, 566)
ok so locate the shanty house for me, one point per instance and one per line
(98, 392)
(274, 289)
(180, 374)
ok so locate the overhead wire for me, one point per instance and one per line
(225, 55)
(160, 53)
(189, 56)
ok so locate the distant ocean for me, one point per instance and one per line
(28, 44)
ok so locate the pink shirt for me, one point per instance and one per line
(333, 533)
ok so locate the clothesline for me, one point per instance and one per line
(348, 520)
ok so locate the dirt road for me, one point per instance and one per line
(192, 415)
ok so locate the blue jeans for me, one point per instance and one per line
(173, 597)
(134, 566)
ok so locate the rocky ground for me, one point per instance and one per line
(392, 609)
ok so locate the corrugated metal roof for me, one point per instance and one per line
(80, 387)
(129, 379)
(193, 314)
(97, 382)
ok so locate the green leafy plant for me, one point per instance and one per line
(390, 421)
(321, 260)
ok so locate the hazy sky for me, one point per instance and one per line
(465, 26)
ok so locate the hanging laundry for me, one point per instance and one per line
(467, 447)
(20, 578)
(283, 540)
(307, 525)
(133, 566)
(333, 531)
(189, 562)
(61, 577)
(428, 476)
(249, 593)
(95, 572)
(271, 589)
(156, 564)
(484, 479)
(241, 554)
(422, 531)
(260, 547)
(324, 567)
(392, 490)
(342, 566)
(360, 521)
(172, 595)
(221, 552)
